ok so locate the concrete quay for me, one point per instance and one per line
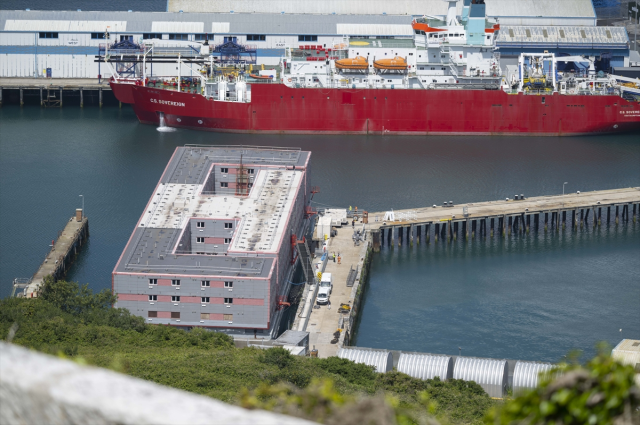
(51, 89)
(478, 219)
(59, 258)
(503, 217)
(326, 320)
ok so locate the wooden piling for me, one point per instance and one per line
(21, 99)
(81, 99)
(414, 234)
(375, 237)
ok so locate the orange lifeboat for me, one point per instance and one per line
(396, 63)
(352, 63)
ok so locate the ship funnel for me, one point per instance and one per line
(452, 21)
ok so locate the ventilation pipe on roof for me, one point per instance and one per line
(452, 21)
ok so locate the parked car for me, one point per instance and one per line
(323, 295)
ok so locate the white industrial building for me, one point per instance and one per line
(66, 43)
(508, 12)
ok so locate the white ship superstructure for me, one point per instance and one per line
(451, 52)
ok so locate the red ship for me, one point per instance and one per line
(276, 108)
(446, 80)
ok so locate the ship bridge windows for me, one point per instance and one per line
(48, 35)
(256, 37)
(307, 38)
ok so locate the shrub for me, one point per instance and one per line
(355, 373)
(602, 392)
(277, 356)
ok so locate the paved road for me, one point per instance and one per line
(324, 321)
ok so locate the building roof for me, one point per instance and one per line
(540, 8)
(628, 352)
(338, 7)
(495, 8)
(426, 366)
(490, 374)
(381, 360)
(146, 22)
(261, 216)
(562, 36)
(329, 17)
(533, 8)
(526, 375)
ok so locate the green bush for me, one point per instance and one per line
(68, 319)
(277, 356)
(602, 392)
(355, 373)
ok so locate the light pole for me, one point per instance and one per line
(82, 196)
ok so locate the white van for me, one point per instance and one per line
(326, 286)
(326, 281)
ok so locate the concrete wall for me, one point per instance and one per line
(40, 389)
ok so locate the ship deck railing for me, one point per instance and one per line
(581, 92)
(382, 43)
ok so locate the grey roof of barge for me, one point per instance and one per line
(147, 253)
(198, 159)
(141, 22)
(152, 244)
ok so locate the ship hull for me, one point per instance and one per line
(122, 91)
(276, 108)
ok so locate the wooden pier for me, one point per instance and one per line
(503, 218)
(60, 257)
(51, 89)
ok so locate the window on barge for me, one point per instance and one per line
(48, 35)
(307, 38)
(256, 37)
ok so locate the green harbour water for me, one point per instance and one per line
(534, 297)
